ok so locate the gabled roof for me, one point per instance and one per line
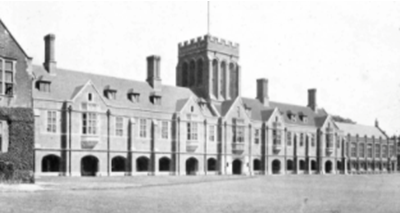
(68, 83)
(360, 130)
(15, 40)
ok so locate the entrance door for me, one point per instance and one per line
(191, 166)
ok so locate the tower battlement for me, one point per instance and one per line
(208, 43)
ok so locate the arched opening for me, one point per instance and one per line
(223, 79)
(289, 165)
(313, 165)
(233, 80)
(276, 167)
(51, 163)
(191, 166)
(302, 165)
(200, 71)
(143, 164)
(89, 166)
(211, 164)
(256, 165)
(192, 74)
(118, 164)
(185, 74)
(215, 78)
(339, 166)
(237, 167)
(328, 167)
(164, 164)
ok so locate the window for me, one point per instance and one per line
(119, 123)
(89, 119)
(256, 136)
(238, 133)
(337, 141)
(384, 152)
(156, 100)
(362, 151)
(51, 121)
(312, 140)
(369, 150)
(164, 130)
(4, 143)
(1, 137)
(192, 131)
(289, 138)
(211, 135)
(391, 151)
(6, 77)
(353, 150)
(44, 86)
(377, 151)
(143, 128)
(329, 137)
(90, 97)
(276, 136)
(301, 139)
(134, 96)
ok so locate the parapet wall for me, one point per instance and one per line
(209, 43)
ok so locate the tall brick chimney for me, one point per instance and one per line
(153, 71)
(49, 53)
(262, 91)
(312, 99)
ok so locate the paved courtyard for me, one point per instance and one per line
(300, 193)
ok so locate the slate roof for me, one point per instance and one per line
(361, 130)
(68, 83)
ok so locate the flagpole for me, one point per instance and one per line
(208, 17)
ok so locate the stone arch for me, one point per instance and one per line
(185, 74)
(164, 164)
(237, 167)
(192, 73)
(89, 165)
(211, 164)
(328, 167)
(143, 164)
(302, 165)
(223, 79)
(313, 165)
(256, 165)
(118, 164)
(276, 166)
(51, 163)
(289, 165)
(200, 70)
(215, 77)
(192, 166)
(233, 80)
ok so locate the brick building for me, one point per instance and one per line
(88, 124)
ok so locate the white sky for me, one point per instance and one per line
(350, 52)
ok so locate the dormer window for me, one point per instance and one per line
(202, 103)
(155, 98)
(303, 117)
(110, 93)
(7, 71)
(133, 96)
(248, 110)
(43, 84)
(291, 116)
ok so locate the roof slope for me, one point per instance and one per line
(68, 83)
(360, 130)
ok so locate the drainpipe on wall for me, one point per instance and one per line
(108, 141)
(70, 140)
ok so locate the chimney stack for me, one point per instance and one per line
(376, 123)
(153, 71)
(49, 52)
(262, 91)
(312, 99)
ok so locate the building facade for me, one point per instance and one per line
(93, 125)
(16, 113)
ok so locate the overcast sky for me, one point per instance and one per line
(349, 52)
